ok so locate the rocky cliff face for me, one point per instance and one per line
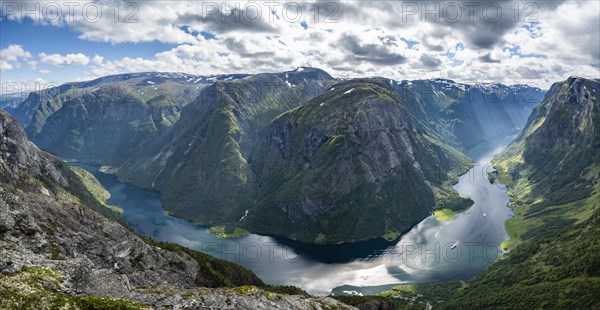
(553, 169)
(130, 109)
(465, 115)
(351, 164)
(44, 219)
(20, 156)
(106, 126)
(210, 165)
(559, 146)
(202, 165)
(56, 250)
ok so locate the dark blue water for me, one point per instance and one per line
(431, 251)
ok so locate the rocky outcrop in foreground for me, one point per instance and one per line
(57, 250)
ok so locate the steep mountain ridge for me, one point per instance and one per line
(553, 170)
(159, 98)
(106, 126)
(209, 164)
(202, 165)
(19, 155)
(56, 252)
(349, 165)
(45, 203)
(465, 115)
(224, 178)
(40, 104)
(559, 145)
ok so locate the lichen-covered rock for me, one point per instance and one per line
(56, 252)
(44, 288)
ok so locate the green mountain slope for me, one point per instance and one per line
(202, 164)
(553, 169)
(551, 160)
(35, 109)
(349, 165)
(62, 248)
(99, 115)
(212, 165)
(107, 125)
(39, 104)
(465, 115)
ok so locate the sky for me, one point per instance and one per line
(44, 43)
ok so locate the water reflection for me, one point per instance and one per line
(431, 251)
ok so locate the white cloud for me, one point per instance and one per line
(13, 52)
(97, 59)
(64, 60)
(10, 57)
(5, 66)
(353, 39)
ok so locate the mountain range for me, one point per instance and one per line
(309, 157)
(553, 170)
(107, 119)
(63, 248)
(282, 153)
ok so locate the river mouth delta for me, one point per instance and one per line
(432, 251)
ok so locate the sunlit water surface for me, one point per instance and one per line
(431, 251)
